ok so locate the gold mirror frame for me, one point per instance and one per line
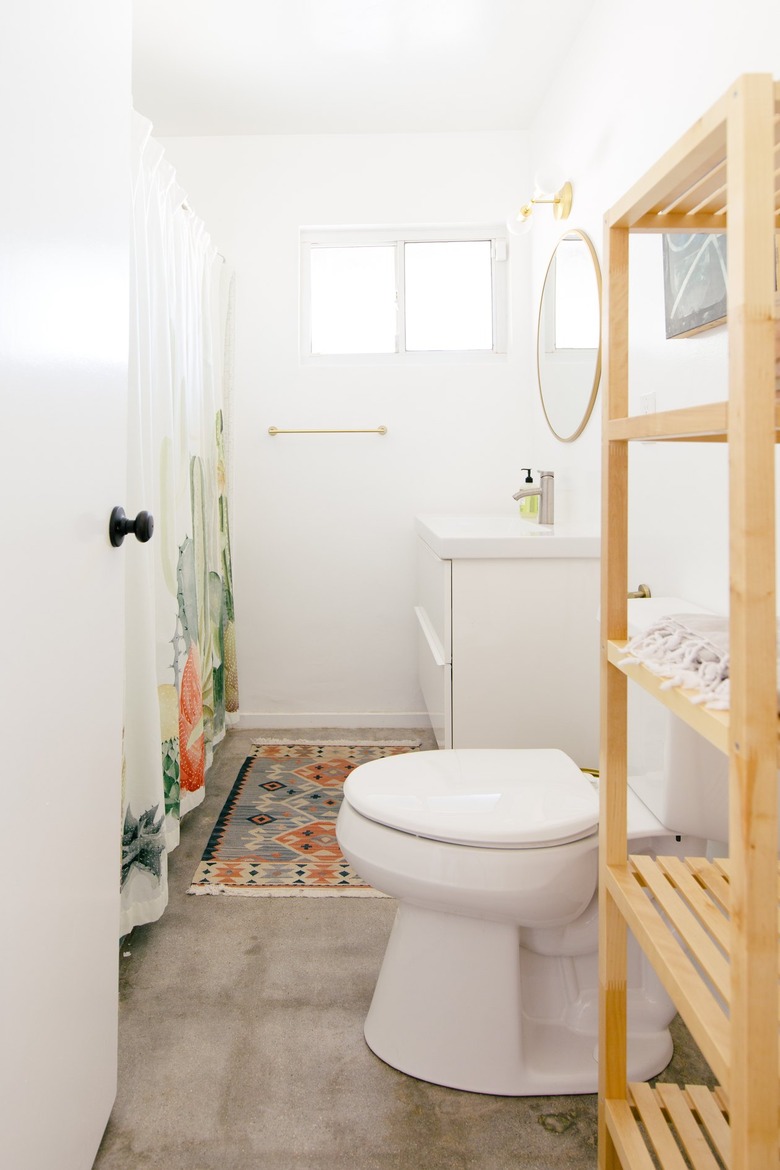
(570, 234)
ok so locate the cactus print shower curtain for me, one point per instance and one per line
(181, 688)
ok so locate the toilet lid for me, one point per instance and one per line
(494, 797)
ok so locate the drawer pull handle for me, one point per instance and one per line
(430, 636)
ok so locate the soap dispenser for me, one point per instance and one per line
(529, 505)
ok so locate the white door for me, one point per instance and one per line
(64, 198)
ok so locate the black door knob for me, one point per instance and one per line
(119, 527)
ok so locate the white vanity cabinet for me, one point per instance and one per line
(508, 634)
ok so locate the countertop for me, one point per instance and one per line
(472, 536)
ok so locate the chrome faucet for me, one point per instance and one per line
(546, 494)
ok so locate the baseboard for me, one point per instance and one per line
(250, 720)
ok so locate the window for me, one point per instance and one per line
(392, 296)
(352, 298)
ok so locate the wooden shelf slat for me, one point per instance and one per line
(626, 1135)
(690, 424)
(677, 1107)
(705, 953)
(701, 195)
(708, 422)
(712, 913)
(704, 1015)
(695, 157)
(691, 158)
(712, 878)
(684, 929)
(657, 1128)
(713, 725)
(712, 1119)
(677, 1124)
(670, 222)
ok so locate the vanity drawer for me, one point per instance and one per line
(434, 596)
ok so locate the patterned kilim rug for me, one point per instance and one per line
(276, 834)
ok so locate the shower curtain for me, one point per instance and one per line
(181, 688)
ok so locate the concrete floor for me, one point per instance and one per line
(241, 1043)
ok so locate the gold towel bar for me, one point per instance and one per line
(369, 431)
(642, 591)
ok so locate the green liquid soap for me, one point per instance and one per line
(529, 506)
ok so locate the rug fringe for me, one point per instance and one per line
(289, 892)
(338, 742)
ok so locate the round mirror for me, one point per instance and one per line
(568, 337)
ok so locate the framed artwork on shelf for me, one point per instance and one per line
(694, 282)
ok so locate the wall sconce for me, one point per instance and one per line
(561, 204)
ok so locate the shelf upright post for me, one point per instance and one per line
(753, 1081)
(612, 828)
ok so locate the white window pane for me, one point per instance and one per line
(448, 293)
(353, 307)
(576, 307)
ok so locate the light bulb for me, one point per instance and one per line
(549, 179)
(519, 224)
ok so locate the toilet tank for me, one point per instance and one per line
(674, 771)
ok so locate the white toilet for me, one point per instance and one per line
(489, 982)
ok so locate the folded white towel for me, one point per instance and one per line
(689, 650)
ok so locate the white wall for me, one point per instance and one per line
(323, 526)
(629, 88)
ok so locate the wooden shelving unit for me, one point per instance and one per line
(710, 928)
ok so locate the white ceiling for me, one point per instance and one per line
(346, 66)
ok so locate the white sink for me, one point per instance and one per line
(452, 537)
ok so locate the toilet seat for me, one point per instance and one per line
(486, 798)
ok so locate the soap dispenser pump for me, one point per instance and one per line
(529, 505)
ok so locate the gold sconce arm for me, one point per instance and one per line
(561, 203)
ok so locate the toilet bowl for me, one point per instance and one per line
(490, 978)
(489, 981)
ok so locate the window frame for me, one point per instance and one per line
(397, 237)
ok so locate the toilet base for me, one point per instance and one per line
(448, 1008)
